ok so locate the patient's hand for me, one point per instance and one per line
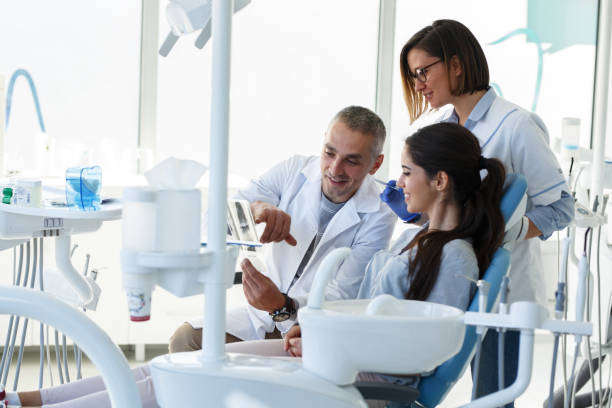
(277, 222)
(260, 291)
(293, 341)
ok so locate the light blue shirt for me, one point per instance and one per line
(520, 140)
(387, 272)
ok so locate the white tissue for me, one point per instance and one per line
(175, 174)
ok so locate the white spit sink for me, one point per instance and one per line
(383, 335)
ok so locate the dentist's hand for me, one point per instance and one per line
(277, 222)
(259, 290)
(293, 341)
(395, 200)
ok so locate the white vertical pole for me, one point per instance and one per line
(213, 340)
(147, 101)
(600, 105)
(384, 74)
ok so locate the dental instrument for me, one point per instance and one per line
(559, 313)
(483, 294)
(501, 332)
(386, 184)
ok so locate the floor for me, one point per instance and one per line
(534, 396)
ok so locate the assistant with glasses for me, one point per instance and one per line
(443, 64)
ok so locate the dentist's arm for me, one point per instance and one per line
(259, 290)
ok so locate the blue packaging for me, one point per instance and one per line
(83, 186)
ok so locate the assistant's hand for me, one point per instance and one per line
(260, 291)
(277, 222)
(395, 200)
(293, 341)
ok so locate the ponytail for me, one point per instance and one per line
(482, 211)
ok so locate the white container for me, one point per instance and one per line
(28, 192)
(178, 220)
(139, 219)
(570, 137)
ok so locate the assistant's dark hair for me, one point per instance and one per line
(451, 148)
(445, 39)
(363, 120)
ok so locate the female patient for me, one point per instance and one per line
(441, 167)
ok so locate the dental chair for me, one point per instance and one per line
(433, 388)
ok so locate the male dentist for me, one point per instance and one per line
(311, 205)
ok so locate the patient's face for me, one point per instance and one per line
(419, 190)
(346, 160)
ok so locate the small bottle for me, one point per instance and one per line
(31, 191)
(7, 195)
(20, 196)
(570, 138)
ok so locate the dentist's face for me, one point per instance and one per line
(436, 88)
(346, 160)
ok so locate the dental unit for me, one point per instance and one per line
(161, 246)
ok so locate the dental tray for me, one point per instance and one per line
(21, 222)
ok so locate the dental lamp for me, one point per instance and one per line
(187, 16)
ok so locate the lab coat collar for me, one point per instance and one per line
(365, 200)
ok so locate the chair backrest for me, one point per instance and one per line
(435, 387)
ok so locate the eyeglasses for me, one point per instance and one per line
(420, 74)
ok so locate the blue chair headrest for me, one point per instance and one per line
(515, 188)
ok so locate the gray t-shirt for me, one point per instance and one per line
(327, 210)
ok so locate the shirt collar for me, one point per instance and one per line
(481, 108)
(483, 105)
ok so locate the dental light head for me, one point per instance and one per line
(187, 16)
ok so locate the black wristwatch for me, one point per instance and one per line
(285, 312)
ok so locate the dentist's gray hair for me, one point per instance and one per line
(363, 120)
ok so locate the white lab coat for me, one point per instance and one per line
(364, 224)
(520, 140)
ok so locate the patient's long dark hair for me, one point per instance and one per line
(453, 149)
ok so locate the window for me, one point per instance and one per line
(84, 59)
(294, 65)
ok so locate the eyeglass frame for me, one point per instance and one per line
(423, 71)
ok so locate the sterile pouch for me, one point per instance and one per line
(83, 186)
